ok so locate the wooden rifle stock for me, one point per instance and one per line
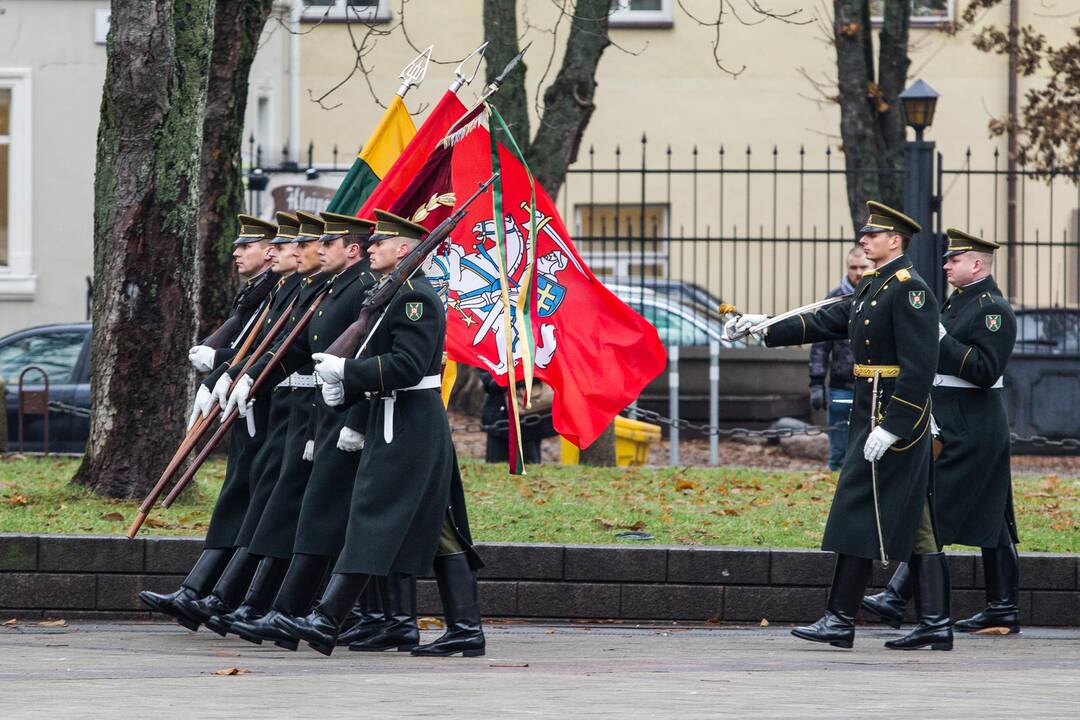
(220, 337)
(226, 424)
(198, 430)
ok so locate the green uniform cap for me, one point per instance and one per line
(391, 224)
(311, 226)
(961, 242)
(288, 228)
(336, 225)
(253, 229)
(884, 219)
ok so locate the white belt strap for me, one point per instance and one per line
(429, 382)
(296, 380)
(956, 382)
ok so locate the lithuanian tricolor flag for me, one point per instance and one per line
(382, 148)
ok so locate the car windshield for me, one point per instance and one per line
(56, 352)
(673, 328)
(1050, 331)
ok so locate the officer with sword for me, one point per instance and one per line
(881, 508)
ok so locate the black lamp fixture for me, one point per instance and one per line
(919, 101)
(258, 180)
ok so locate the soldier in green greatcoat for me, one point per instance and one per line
(407, 513)
(881, 506)
(972, 475)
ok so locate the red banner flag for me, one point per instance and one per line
(591, 348)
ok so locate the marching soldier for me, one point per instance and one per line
(972, 475)
(232, 502)
(881, 506)
(306, 516)
(407, 512)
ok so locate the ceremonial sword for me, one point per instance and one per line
(769, 322)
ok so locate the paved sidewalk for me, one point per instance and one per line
(150, 671)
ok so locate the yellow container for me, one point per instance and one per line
(632, 440)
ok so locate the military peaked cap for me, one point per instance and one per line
(288, 228)
(884, 219)
(391, 224)
(253, 229)
(336, 224)
(311, 226)
(961, 242)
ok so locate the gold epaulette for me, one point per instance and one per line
(903, 275)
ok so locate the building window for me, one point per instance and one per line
(641, 13)
(923, 12)
(16, 242)
(364, 11)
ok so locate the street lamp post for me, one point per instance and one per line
(919, 103)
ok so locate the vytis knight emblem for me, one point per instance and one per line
(993, 323)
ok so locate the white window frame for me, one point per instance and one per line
(337, 12)
(17, 278)
(624, 17)
(920, 21)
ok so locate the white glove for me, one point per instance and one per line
(330, 368)
(239, 397)
(349, 440)
(941, 331)
(333, 394)
(879, 441)
(220, 393)
(204, 400)
(742, 323)
(201, 357)
(309, 451)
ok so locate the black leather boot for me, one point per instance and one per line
(298, 589)
(228, 590)
(400, 631)
(264, 586)
(368, 617)
(457, 589)
(321, 626)
(889, 604)
(931, 577)
(1001, 567)
(202, 577)
(837, 627)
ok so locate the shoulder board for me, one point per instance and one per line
(903, 275)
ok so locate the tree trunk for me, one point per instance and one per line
(501, 34)
(871, 123)
(237, 28)
(568, 102)
(146, 251)
(602, 451)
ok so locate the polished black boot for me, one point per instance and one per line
(457, 589)
(228, 590)
(198, 582)
(298, 589)
(930, 573)
(321, 626)
(889, 604)
(368, 617)
(400, 631)
(1001, 567)
(837, 627)
(264, 586)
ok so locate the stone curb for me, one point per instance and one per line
(91, 576)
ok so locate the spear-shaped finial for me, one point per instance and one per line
(413, 73)
(460, 78)
(498, 81)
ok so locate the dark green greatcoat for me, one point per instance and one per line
(308, 507)
(405, 488)
(972, 476)
(892, 319)
(235, 496)
(290, 413)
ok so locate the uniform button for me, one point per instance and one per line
(315, 338)
(867, 342)
(884, 287)
(320, 313)
(869, 380)
(331, 292)
(873, 303)
(866, 322)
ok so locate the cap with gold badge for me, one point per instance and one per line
(961, 242)
(253, 229)
(395, 225)
(288, 228)
(885, 219)
(311, 226)
(335, 225)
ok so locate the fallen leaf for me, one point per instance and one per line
(714, 620)
(112, 516)
(231, 671)
(10, 622)
(509, 665)
(636, 525)
(17, 500)
(666, 518)
(993, 631)
(53, 623)
(226, 653)
(430, 623)
(156, 523)
(685, 485)
(764, 622)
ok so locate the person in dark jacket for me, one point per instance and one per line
(495, 417)
(830, 360)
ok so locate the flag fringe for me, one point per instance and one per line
(462, 132)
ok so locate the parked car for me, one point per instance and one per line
(63, 352)
(1047, 330)
(678, 291)
(677, 323)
